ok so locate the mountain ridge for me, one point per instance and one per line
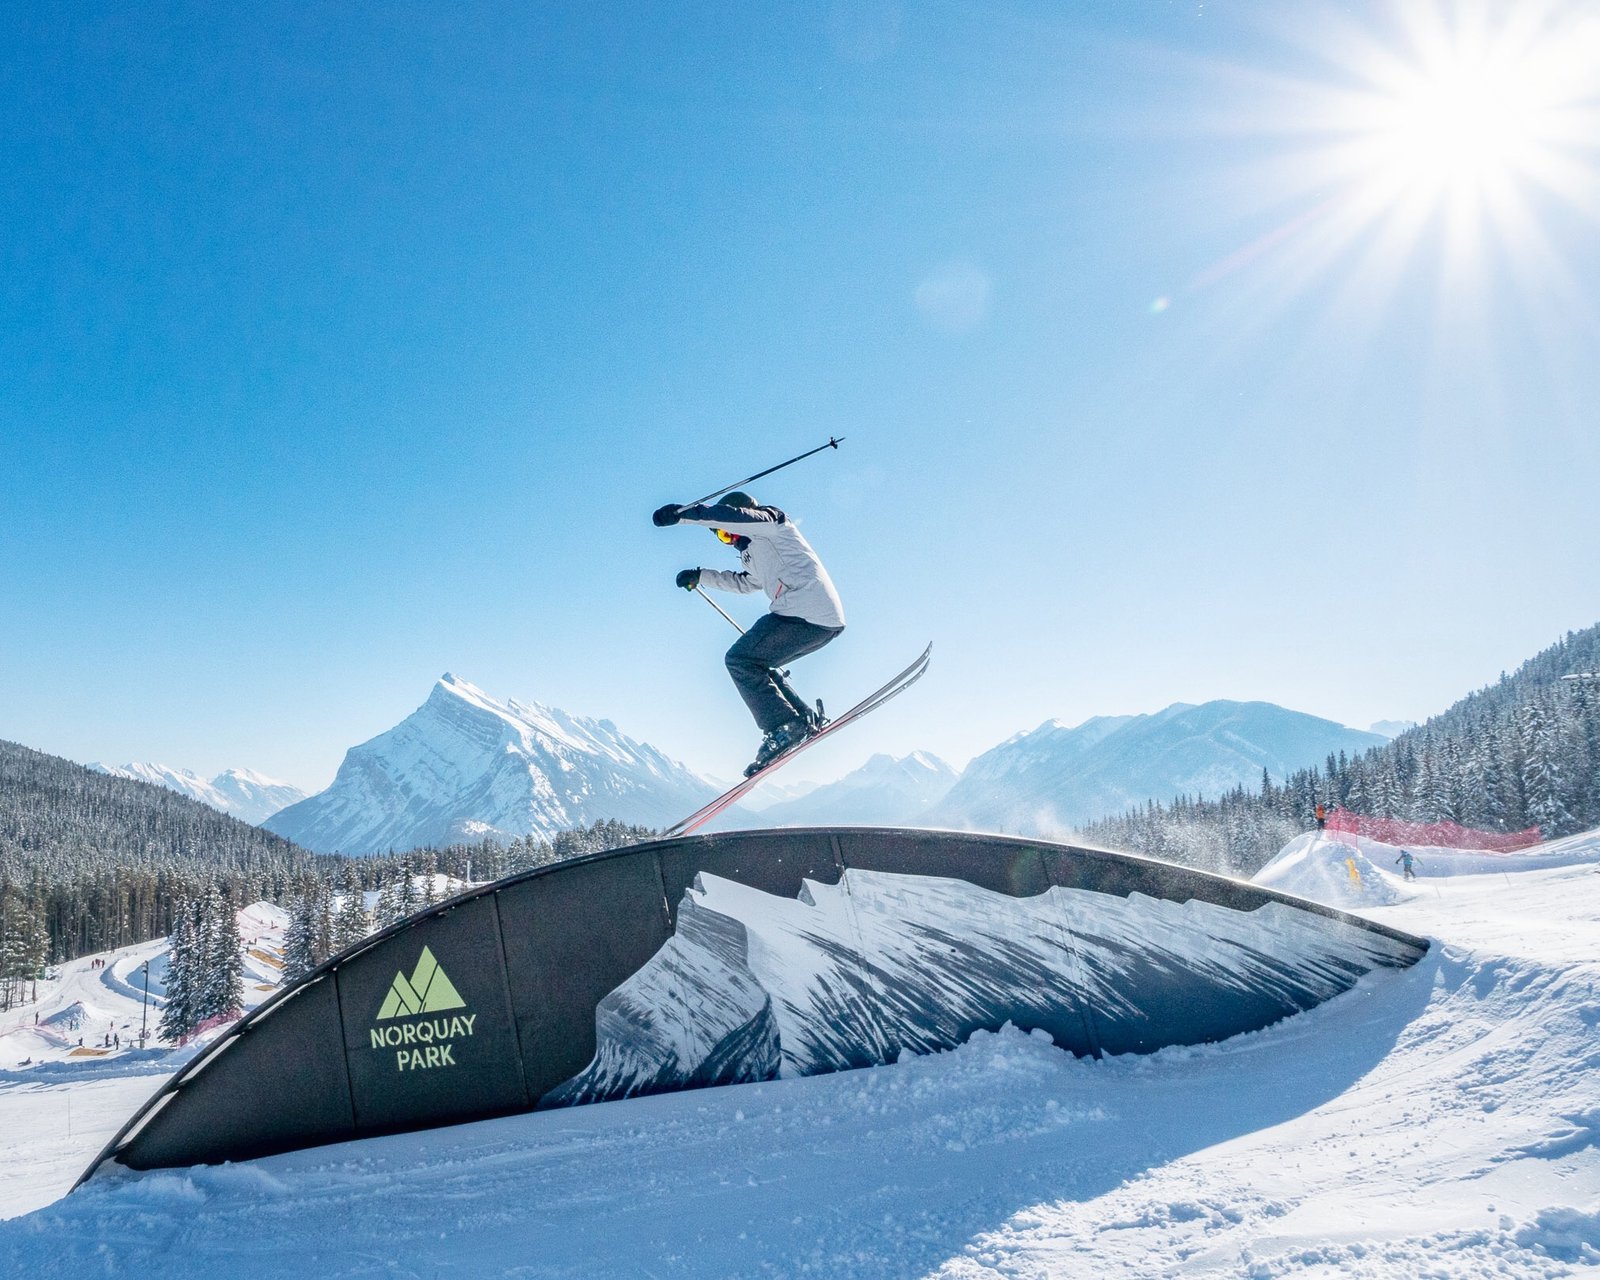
(468, 766)
(1056, 777)
(240, 793)
(884, 791)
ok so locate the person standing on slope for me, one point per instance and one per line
(805, 613)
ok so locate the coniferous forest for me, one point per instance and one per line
(91, 862)
(1522, 752)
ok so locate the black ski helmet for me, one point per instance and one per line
(739, 498)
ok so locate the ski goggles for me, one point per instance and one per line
(725, 536)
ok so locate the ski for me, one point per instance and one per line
(898, 685)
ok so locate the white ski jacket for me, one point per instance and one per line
(777, 560)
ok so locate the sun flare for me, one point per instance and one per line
(1475, 112)
(1464, 130)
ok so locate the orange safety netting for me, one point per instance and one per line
(1449, 835)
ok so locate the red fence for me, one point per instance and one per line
(1449, 835)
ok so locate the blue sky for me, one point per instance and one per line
(343, 346)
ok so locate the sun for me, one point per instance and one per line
(1462, 128)
(1473, 112)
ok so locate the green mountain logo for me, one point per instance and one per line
(428, 990)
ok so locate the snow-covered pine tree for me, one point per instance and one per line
(1585, 695)
(183, 974)
(1541, 769)
(1453, 783)
(407, 900)
(1356, 796)
(427, 868)
(221, 986)
(323, 947)
(24, 944)
(350, 922)
(300, 937)
(1428, 801)
(385, 911)
(1496, 799)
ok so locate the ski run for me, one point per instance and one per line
(1439, 1122)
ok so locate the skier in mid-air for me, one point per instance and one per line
(805, 613)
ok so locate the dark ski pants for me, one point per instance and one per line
(754, 660)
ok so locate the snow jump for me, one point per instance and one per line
(715, 960)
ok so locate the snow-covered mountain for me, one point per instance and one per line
(254, 796)
(773, 791)
(249, 796)
(882, 791)
(1057, 776)
(465, 766)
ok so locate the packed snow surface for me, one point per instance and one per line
(1442, 1121)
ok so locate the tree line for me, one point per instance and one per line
(1520, 753)
(91, 862)
(329, 912)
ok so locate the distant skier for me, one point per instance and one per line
(805, 613)
(1407, 864)
(1322, 816)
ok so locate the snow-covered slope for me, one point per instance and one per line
(74, 1039)
(465, 765)
(1349, 871)
(1443, 1121)
(1054, 777)
(884, 791)
(249, 796)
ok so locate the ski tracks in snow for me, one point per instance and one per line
(1471, 1150)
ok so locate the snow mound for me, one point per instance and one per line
(1352, 871)
(262, 919)
(1328, 871)
(69, 1019)
(25, 1045)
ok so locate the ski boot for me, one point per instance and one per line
(784, 738)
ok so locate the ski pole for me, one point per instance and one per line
(701, 592)
(739, 484)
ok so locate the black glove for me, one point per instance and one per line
(666, 515)
(688, 579)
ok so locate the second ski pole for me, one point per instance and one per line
(701, 592)
(739, 484)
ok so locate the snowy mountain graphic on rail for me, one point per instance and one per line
(465, 766)
(1056, 776)
(752, 986)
